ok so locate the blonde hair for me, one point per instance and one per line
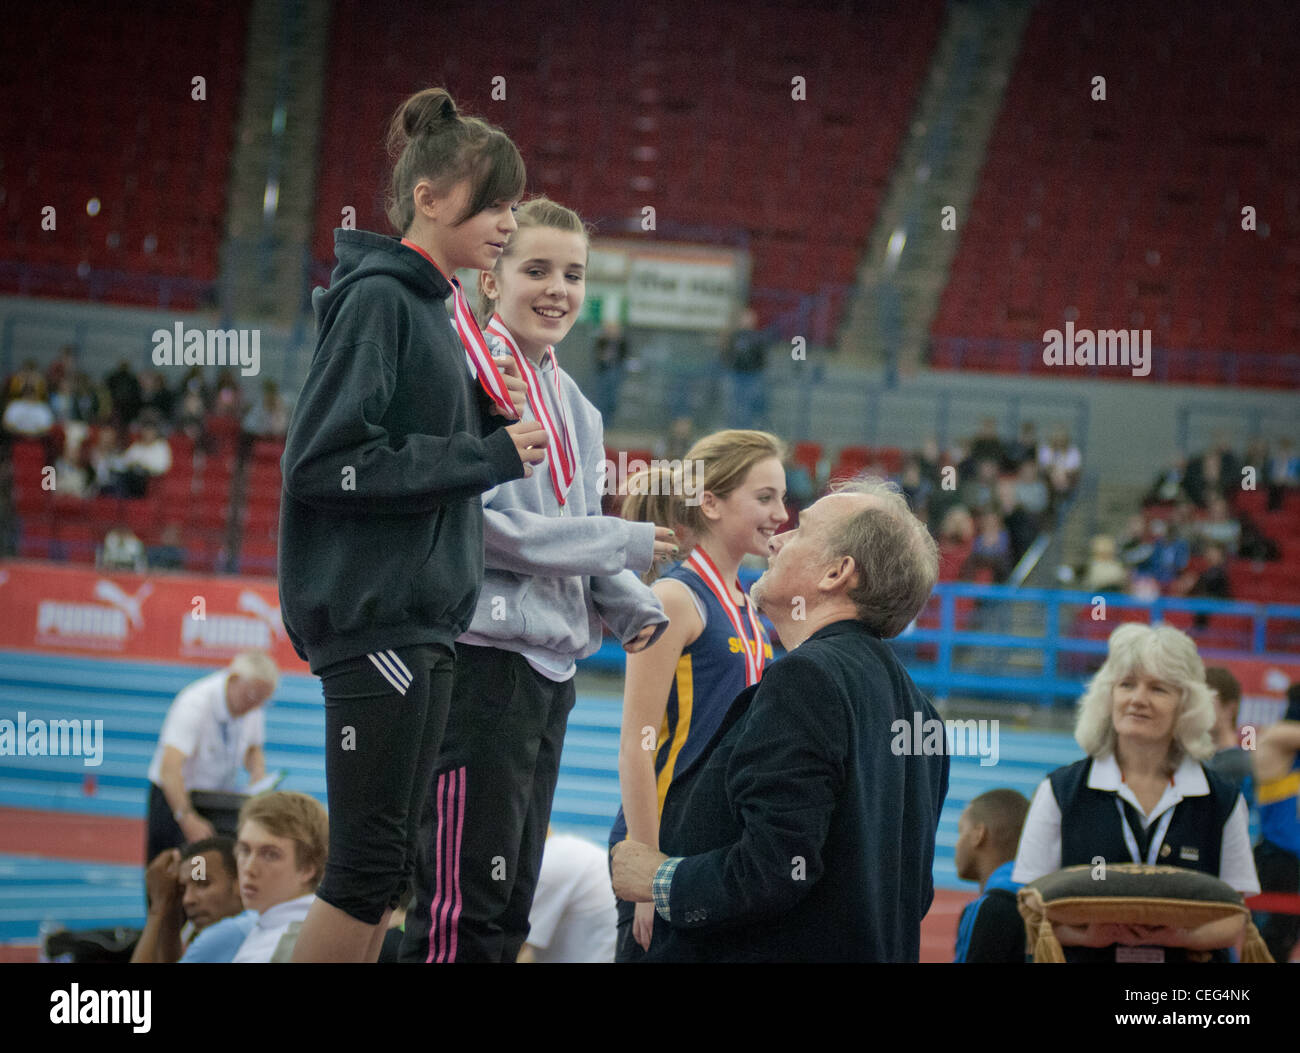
(655, 495)
(726, 457)
(536, 212)
(303, 819)
(1163, 652)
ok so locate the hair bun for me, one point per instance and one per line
(425, 112)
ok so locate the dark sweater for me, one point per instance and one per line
(806, 837)
(389, 449)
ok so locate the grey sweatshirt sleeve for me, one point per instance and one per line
(524, 542)
(627, 606)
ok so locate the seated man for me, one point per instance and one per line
(988, 831)
(280, 852)
(805, 830)
(189, 890)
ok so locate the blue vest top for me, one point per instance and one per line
(710, 674)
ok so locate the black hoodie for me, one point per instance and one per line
(390, 446)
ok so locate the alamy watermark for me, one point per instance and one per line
(957, 738)
(53, 738)
(662, 477)
(180, 346)
(1098, 347)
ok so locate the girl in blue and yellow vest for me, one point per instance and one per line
(678, 690)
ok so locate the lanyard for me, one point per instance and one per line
(1157, 839)
(561, 456)
(754, 658)
(481, 366)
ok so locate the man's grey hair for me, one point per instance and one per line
(896, 558)
(256, 665)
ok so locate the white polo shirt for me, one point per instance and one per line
(214, 743)
(574, 917)
(1040, 841)
(271, 925)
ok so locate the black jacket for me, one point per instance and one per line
(806, 837)
(390, 446)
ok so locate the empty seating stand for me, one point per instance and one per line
(1127, 213)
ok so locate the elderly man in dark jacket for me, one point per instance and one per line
(804, 831)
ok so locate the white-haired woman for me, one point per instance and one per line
(1142, 794)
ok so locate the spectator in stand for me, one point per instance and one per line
(1212, 582)
(1024, 448)
(915, 486)
(148, 457)
(189, 890)
(63, 399)
(1168, 556)
(1029, 501)
(91, 403)
(28, 416)
(155, 396)
(27, 376)
(121, 550)
(990, 929)
(1209, 475)
(64, 367)
(978, 493)
(1132, 543)
(1219, 527)
(991, 550)
(986, 446)
(1254, 543)
(108, 463)
(191, 413)
(1168, 486)
(1283, 473)
(124, 390)
(1104, 573)
(1060, 462)
(168, 553)
(229, 398)
(610, 353)
(574, 917)
(1229, 760)
(744, 356)
(74, 476)
(269, 419)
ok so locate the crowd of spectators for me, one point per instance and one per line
(119, 437)
(1180, 544)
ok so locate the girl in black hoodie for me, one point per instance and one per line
(381, 533)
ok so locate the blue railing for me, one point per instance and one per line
(970, 648)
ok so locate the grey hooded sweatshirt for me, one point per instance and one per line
(552, 573)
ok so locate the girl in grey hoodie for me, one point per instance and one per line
(555, 570)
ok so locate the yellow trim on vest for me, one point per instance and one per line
(685, 686)
(1278, 789)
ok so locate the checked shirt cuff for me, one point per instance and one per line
(662, 884)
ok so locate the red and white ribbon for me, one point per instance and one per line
(562, 448)
(755, 657)
(481, 366)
